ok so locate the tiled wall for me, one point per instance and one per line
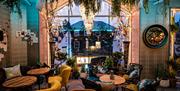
(18, 48)
(33, 25)
(150, 57)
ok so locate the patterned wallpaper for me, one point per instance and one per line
(4, 22)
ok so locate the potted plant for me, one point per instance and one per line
(75, 70)
(117, 56)
(60, 55)
(71, 62)
(171, 72)
(108, 64)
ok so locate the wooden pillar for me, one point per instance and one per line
(126, 52)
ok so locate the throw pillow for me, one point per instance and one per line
(133, 74)
(13, 71)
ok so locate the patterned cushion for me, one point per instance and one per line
(133, 74)
(145, 83)
(13, 71)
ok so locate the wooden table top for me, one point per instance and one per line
(117, 79)
(38, 71)
(20, 81)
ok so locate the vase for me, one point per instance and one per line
(111, 75)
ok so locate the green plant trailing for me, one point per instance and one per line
(90, 5)
(12, 4)
(116, 5)
(117, 55)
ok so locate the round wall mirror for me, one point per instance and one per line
(155, 36)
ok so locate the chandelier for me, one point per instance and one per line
(88, 19)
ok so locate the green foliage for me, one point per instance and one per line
(71, 62)
(90, 5)
(116, 7)
(173, 26)
(60, 56)
(117, 55)
(171, 65)
(75, 74)
(161, 72)
(12, 4)
(83, 68)
(109, 62)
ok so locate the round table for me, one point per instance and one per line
(117, 79)
(39, 71)
(21, 81)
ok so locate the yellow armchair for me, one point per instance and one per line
(55, 86)
(65, 72)
(62, 68)
(132, 87)
(52, 78)
(83, 90)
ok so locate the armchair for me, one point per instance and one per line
(134, 73)
(55, 86)
(65, 72)
(84, 90)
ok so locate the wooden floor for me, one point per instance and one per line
(167, 89)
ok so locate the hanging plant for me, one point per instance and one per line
(145, 5)
(89, 5)
(116, 5)
(12, 4)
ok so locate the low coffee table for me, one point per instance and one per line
(117, 79)
(20, 82)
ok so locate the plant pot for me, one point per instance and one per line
(172, 82)
(165, 83)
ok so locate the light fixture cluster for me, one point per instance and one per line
(88, 19)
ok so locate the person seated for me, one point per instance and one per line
(92, 73)
(91, 84)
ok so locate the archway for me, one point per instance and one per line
(44, 32)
